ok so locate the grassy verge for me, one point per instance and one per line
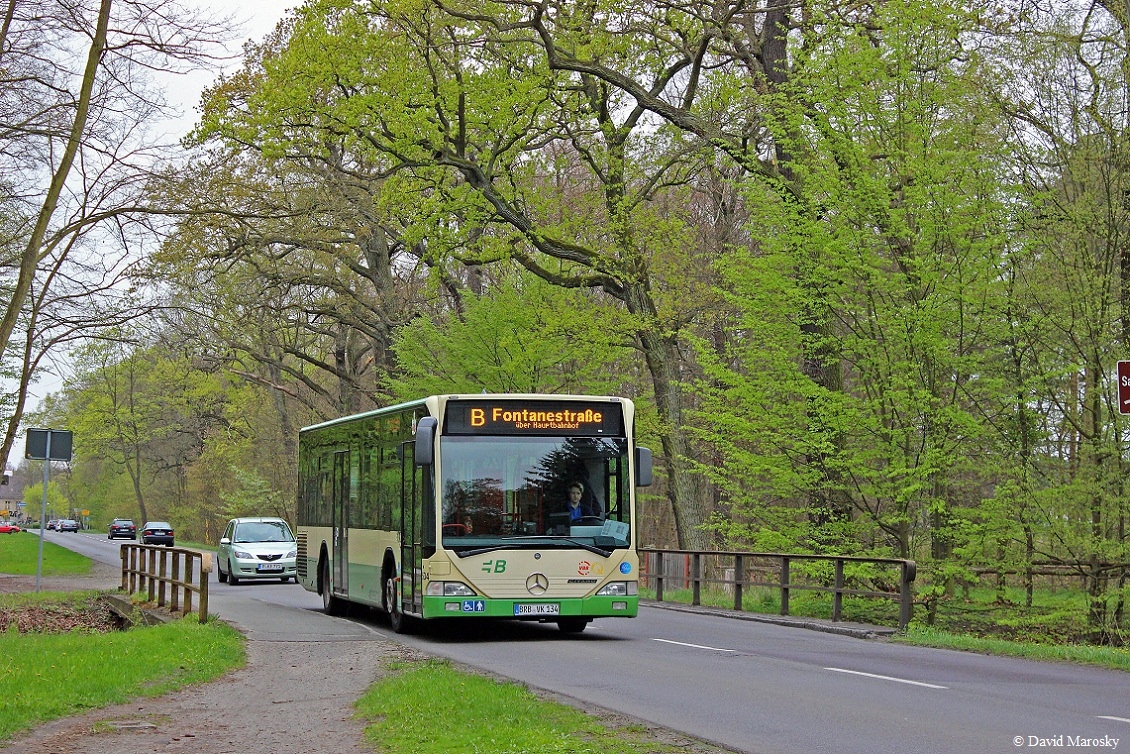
(19, 555)
(1116, 658)
(47, 675)
(430, 707)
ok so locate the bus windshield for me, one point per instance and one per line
(534, 491)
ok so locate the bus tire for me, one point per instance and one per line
(330, 604)
(396, 620)
(572, 625)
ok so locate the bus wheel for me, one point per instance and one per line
(572, 625)
(396, 619)
(331, 604)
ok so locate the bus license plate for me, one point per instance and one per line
(271, 568)
(537, 609)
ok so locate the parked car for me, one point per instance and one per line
(157, 533)
(122, 527)
(67, 524)
(257, 547)
(9, 528)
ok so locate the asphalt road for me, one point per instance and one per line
(747, 686)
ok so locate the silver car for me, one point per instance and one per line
(258, 547)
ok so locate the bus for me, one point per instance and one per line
(457, 507)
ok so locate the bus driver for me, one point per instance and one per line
(579, 507)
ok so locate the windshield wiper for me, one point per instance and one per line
(591, 548)
(481, 550)
(513, 546)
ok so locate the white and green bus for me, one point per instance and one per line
(457, 506)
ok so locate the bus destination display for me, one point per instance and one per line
(534, 418)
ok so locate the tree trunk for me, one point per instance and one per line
(686, 490)
(29, 258)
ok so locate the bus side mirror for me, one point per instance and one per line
(643, 467)
(426, 441)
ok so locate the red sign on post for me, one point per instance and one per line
(1124, 387)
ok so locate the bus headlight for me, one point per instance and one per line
(619, 589)
(448, 589)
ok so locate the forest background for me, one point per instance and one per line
(863, 266)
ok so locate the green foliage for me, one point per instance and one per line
(56, 499)
(894, 287)
(159, 438)
(524, 336)
(482, 714)
(254, 496)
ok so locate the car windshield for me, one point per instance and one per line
(515, 492)
(157, 525)
(262, 531)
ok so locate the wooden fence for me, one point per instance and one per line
(166, 576)
(736, 571)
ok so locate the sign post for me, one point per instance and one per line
(1124, 387)
(46, 445)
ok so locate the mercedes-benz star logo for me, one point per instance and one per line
(537, 584)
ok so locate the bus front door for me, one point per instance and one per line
(411, 557)
(341, 523)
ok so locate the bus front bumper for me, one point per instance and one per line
(540, 609)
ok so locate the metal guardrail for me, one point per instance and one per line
(735, 571)
(165, 574)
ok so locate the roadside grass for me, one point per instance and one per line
(45, 676)
(1115, 658)
(19, 555)
(430, 707)
(978, 619)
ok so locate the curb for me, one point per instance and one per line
(854, 630)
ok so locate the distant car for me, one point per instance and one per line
(52, 525)
(7, 528)
(257, 547)
(67, 524)
(122, 527)
(157, 533)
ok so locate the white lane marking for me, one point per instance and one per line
(1116, 719)
(694, 646)
(888, 678)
